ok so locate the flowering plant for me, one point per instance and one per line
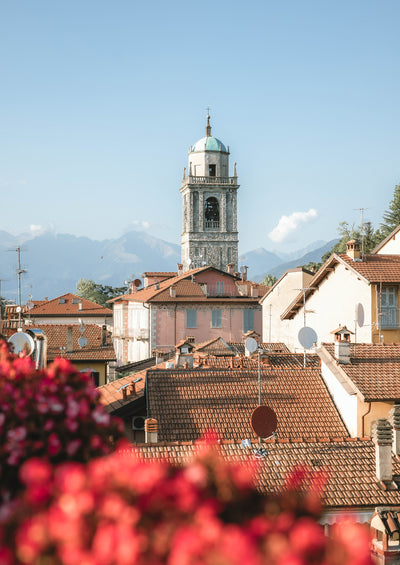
(123, 510)
(53, 414)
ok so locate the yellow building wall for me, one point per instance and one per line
(98, 366)
(388, 336)
(378, 410)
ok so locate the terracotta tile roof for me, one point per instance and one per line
(239, 348)
(374, 269)
(350, 464)
(215, 346)
(166, 274)
(57, 338)
(374, 369)
(111, 395)
(188, 402)
(68, 308)
(270, 359)
(185, 291)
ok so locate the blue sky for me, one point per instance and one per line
(101, 100)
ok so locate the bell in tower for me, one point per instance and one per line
(209, 194)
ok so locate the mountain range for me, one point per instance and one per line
(55, 262)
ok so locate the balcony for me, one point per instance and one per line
(389, 318)
(209, 180)
(211, 224)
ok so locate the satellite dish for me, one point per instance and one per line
(360, 315)
(137, 283)
(189, 261)
(264, 422)
(251, 344)
(22, 343)
(307, 337)
(18, 309)
(82, 341)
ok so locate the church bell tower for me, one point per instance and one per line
(209, 235)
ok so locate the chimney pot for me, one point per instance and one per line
(151, 430)
(353, 249)
(70, 346)
(244, 274)
(382, 437)
(180, 269)
(395, 421)
(229, 268)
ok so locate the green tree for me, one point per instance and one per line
(312, 266)
(391, 218)
(87, 288)
(269, 280)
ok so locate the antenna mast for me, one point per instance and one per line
(19, 273)
(362, 210)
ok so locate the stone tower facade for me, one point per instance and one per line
(209, 235)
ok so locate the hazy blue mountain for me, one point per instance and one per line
(259, 260)
(314, 255)
(55, 262)
(292, 256)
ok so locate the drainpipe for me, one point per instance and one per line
(363, 420)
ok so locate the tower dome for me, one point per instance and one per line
(208, 143)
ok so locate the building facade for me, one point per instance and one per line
(209, 195)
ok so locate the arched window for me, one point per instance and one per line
(211, 213)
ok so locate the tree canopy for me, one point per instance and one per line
(391, 218)
(269, 280)
(87, 288)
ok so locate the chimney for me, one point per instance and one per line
(254, 291)
(229, 268)
(70, 346)
(382, 437)
(172, 291)
(353, 249)
(151, 430)
(133, 389)
(244, 273)
(342, 344)
(104, 336)
(395, 421)
(180, 269)
(80, 305)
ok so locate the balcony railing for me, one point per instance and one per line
(211, 224)
(209, 180)
(389, 318)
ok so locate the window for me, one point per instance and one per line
(211, 170)
(191, 318)
(216, 318)
(211, 213)
(220, 287)
(388, 311)
(248, 320)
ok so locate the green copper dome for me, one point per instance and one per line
(209, 143)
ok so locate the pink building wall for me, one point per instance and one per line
(170, 325)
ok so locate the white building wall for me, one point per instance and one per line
(273, 328)
(392, 247)
(346, 403)
(200, 160)
(138, 332)
(332, 305)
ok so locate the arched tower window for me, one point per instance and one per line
(211, 213)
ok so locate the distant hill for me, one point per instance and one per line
(314, 255)
(55, 262)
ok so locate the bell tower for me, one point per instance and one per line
(209, 234)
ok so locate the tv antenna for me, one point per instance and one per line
(362, 210)
(19, 273)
